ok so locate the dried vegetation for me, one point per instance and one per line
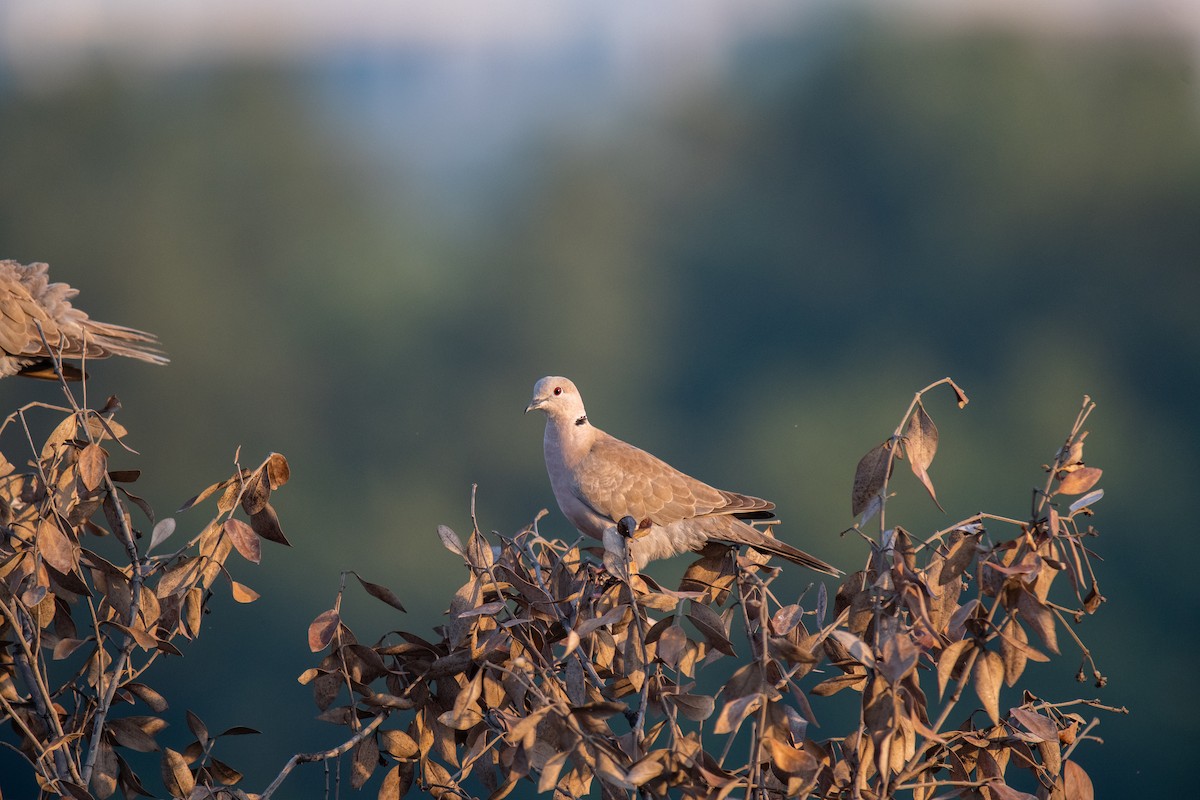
(558, 670)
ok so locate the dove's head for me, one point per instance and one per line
(558, 398)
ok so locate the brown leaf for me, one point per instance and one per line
(439, 781)
(712, 574)
(396, 782)
(466, 712)
(920, 444)
(363, 762)
(733, 712)
(789, 760)
(381, 593)
(139, 502)
(93, 462)
(899, 657)
(162, 531)
(1051, 755)
(450, 540)
(127, 733)
(1080, 480)
(1039, 617)
(1012, 636)
(223, 772)
(635, 663)
(144, 639)
(958, 560)
(104, 776)
(256, 492)
(326, 688)
(647, 769)
(322, 629)
(63, 431)
(870, 476)
(711, 627)
(278, 471)
(859, 650)
(240, 730)
(831, 686)
(179, 578)
(197, 727)
(153, 700)
(202, 496)
(398, 744)
(266, 524)
(1075, 783)
(106, 428)
(243, 593)
(59, 550)
(1040, 727)
(989, 675)
(1002, 791)
(67, 646)
(175, 774)
(696, 707)
(551, 770)
(244, 539)
(671, 645)
(193, 611)
(479, 552)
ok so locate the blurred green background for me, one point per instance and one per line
(363, 255)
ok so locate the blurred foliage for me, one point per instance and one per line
(848, 211)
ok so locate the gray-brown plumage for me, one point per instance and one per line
(598, 479)
(28, 299)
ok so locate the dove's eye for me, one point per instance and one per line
(557, 390)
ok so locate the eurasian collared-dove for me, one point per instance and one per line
(28, 299)
(598, 479)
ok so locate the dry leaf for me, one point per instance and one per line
(266, 524)
(450, 540)
(920, 444)
(93, 463)
(870, 476)
(322, 629)
(989, 675)
(56, 547)
(243, 593)
(162, 531)
(1080, 480)
(104, 776)
(381, 593)
(733, 712)
(244, 540)
(398, 744)
(175, 774)
(278, 471)
(363, 762)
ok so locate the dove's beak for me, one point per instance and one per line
(535, 404)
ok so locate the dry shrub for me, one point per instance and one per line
(89, 604)
(559, 671)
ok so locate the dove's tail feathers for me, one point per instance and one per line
(796, 556)
(755, 538)
(98, 340)
(744, 506)
(118, 340)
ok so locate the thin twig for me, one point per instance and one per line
(323, 755)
